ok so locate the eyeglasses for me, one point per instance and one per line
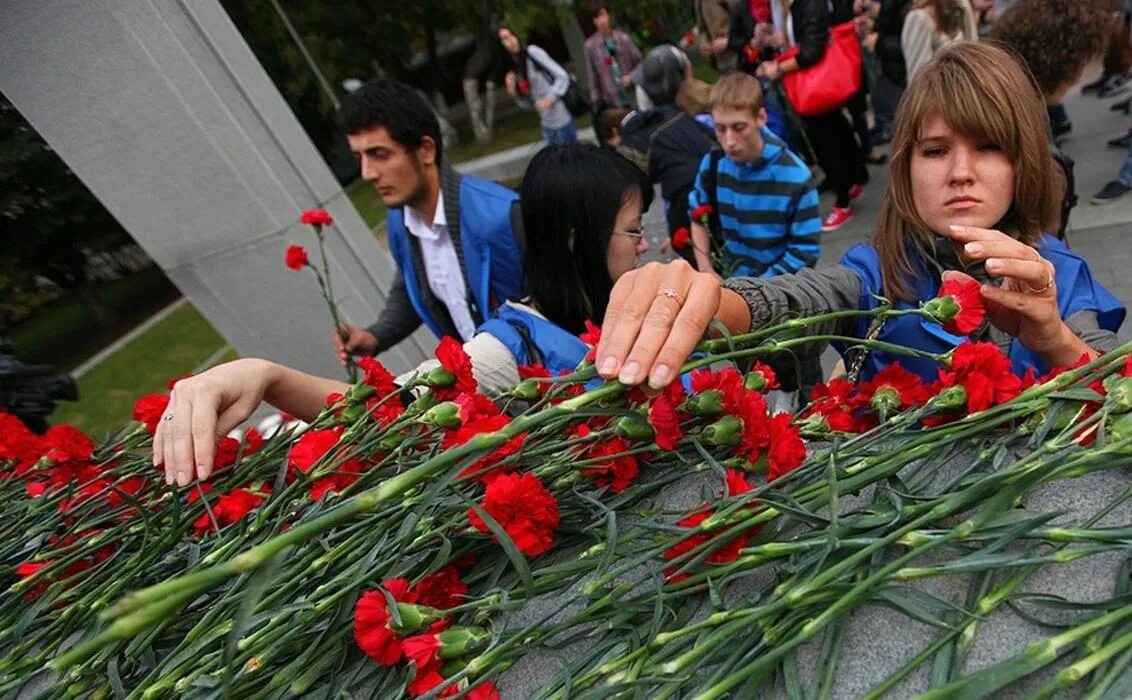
(635, 234)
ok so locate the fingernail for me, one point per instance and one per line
(957, 227)
(608, 365)
(994, 264)
(168, 479)
(203, 472)
(629, 372)
(660, 375)
(973, 248)
(183, 478)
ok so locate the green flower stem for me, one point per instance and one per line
(141, 609)
(1072, 674)
(328, 294)
(798, 324)
(1037, 655)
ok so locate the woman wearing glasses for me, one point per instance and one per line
(581, 208)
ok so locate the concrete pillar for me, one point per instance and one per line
(162, 110)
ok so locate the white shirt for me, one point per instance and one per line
(442, 267)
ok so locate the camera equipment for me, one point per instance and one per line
(29, 392)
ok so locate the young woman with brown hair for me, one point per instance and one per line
(971, 186)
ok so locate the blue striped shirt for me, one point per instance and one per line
(768, 211)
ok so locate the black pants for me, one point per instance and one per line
(837, 152)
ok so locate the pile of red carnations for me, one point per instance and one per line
(423, 540)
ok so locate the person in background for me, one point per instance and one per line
(830, 134)
(892, 76)
(539, 83)
(611, 58)
(930, 26)
(713, 31)
(765, 201)
(449, 234)
(665, 141)
(587, 233)
(970, 190)
(608, 126)
(1036, 31)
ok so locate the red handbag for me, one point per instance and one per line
(830, 82)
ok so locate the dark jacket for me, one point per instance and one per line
(480, 223)
(668, 144)
(811, 21)
(889, 25)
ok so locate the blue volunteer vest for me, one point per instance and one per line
(1076, 291)
(490, 251)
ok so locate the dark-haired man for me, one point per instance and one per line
(450, 234)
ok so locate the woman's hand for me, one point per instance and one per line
(545, 103)
(202, 410)
(769, 70)
(1025, 306)
(510, 82)
(655, 318)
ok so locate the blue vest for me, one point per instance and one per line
(1076, 291)
(490, 252)
(533, 339)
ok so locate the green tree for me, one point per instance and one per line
(48, 219)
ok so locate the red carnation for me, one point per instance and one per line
(231, 508)
(335, 482)
(226, 451)
(376, 376)
(456, 362)
(984, 372)
(18, 445)
(592, 337)
(787, 451)
(523, 508)
(316, 217)
(609, 60)
(665, 418)
(311, 447)
(524, 86)
(681, 239)
(701, 213)
(148, 410)
(441, 590)
(970, 315)
(65, 443)
(483, 469)
(836, 403)
(296, 257)
(728, 552)
(737, 483)
(618, 471)
(373, 629)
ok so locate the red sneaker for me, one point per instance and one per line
(837, 218)
(855, 192)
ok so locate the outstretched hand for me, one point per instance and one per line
(655, 318)
(202, 410)
(1025, 305)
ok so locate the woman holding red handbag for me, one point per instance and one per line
(830, 135)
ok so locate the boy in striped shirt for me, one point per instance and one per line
(764, 199)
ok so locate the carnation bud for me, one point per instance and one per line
(458, 641)
(527, 390)
(443, 415)
(391, 441)
(953, 397)
(440, 377)
(360, 392)
(815, 423)
(354, 411)
(705, 404)
(941, 309)
(1119, 393)
(1121, 428)
(886, 401)
(634, 427)
(755, 380)
(415, 618)
(725, 432)
(422, 403)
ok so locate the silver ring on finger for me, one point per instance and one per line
(671, 294)
(168, 417)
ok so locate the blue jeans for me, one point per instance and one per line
(563, 135)
(1125, 175)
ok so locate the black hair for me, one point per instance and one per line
(574, 192)
(519, 59)
(394, 106)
